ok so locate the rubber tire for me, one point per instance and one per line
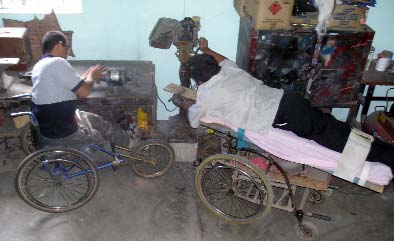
(32, 157)
(26, 140)
(199, 189)
(167, 147)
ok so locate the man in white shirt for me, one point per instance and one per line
(229, 93)
(56, 86)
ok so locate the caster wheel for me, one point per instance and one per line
(315, 197)
(307, 231)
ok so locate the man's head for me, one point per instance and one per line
(55, 43)
(202, 67)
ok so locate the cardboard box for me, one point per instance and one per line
(240, 6)
(307, 18)
(14, 43)
(345, 17)
(270, 14)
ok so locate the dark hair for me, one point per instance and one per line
(202, 67)
(50, 39)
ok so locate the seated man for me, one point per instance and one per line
(228, 93)
(56, 86)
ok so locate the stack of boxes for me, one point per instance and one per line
(277, 15)
(284, 51)
(266, 14)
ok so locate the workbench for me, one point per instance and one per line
(370, 80)
(134, 101)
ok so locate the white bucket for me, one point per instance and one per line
(382, 64)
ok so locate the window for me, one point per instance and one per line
(40, 6)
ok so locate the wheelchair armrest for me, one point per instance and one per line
(24, 95)
(23, 113)
(20, 96)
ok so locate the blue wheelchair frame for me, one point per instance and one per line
(38, 143)
(59, 172)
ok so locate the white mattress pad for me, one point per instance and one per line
(288, 146)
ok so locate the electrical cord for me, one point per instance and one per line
(165, 106)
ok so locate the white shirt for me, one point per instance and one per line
(53, 81)
(238, 98)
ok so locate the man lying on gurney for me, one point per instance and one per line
(229, 93)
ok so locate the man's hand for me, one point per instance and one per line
(182, 102)
(203, 44)
(85, 74)
(92, 74)
(95, 73)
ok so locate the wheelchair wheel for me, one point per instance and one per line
(57, 180)
(26, 140)
(155, 158)
(233, 188)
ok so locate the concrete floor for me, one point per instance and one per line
(127, 207)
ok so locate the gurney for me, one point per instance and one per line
(286, 145)
(251, 174)
(244, 183)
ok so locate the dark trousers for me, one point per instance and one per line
(295, 114)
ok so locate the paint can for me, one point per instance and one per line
(383, 61)
(382, 64)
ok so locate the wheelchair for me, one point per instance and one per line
(61, 179)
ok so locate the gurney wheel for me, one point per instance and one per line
(307, 231)
(233, 188)
(315, 197)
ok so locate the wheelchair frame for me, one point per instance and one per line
(71, 174)
(284, 185)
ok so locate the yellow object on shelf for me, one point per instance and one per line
(142, 119)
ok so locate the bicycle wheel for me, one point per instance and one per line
(57, 180)
(233, 188)
(155, 158)
(27, 141)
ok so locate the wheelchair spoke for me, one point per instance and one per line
(226, 179)
(41, 179)
(224, 200)
(45, 179)
(77, 185)
(73, 190)
(154, 158)
(246, 207)
(232, 188)
(212, 179)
